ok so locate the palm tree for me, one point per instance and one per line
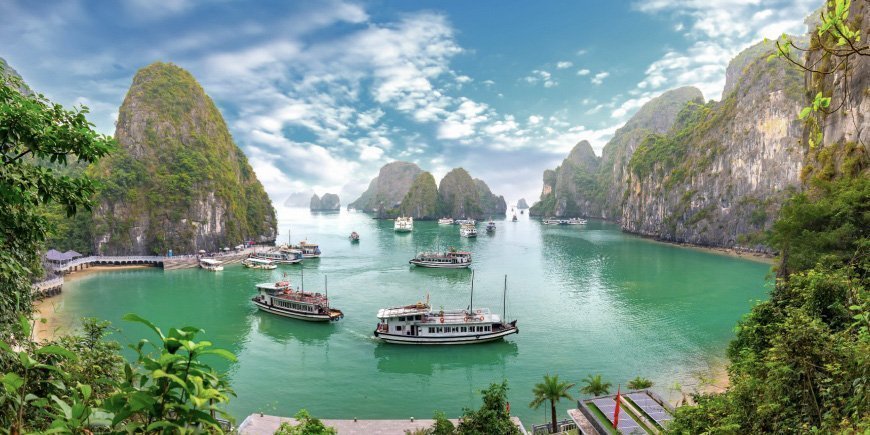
(551, 389)
(639, 383)
(595, 386)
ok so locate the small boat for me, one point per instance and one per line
(551, 221)
(309, 250)
(443, 260)
(522, 212)
(490, 227)
(514, 218)
(354, 237)
(465, 222)
(468, 230)
(418, 324)
(283, 256)
(258, 263)
(211, 264)
(445, 221)
(280, 298)
(404, 224)
(576, 221)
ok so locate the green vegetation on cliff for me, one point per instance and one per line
(458, 196)
(421, 202)
(179, 181)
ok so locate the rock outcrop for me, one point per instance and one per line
(683, 170)
(298, 199)
(178, 180)
(522, 204)
(490, 203)
(386, 191)
(421, 202)
(458, 196)
(329, 202)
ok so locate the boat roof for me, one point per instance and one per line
(210, 261)
(280, 285)
(407, 310)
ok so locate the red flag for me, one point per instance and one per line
(616, 411)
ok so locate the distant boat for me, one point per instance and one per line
(403, 224)
(514, 218)
(465, 222)
(354, 237)
(468, 230)
(418, 324)
(280, 298)
(522, 212)
(576, 221)
(445, 221)
(309, 250)
(490, 227)
(551, 221)
(283, 256)
(258, 263)
(211, 264)
(443, 260)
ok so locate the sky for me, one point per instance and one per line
(320, 95)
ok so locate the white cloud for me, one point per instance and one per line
(564, 64)
(535, 119)
(541, 76)
(583, 72)
(598, 79)
(370, 153)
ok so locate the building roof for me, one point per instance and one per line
(641, 412)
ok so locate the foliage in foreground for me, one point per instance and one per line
(48, 387)
(307, 425)
(552, 390)
(801, 360)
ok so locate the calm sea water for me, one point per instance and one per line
(588, 300)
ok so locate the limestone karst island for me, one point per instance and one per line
(435, 218)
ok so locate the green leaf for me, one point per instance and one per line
(223, 353)
(805, 112)
(12, 381)
(131, 317)
(56, 350)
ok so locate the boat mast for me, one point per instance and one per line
(504, 301)
(326, 290)
(471, 304)
(302, 271)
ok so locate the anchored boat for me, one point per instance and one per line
(576, 221)
(309, 250)
(443, 260)
(404, 224)
(283, 256)
(211, 264)
(280, 298)
(419, 324)
(258, 263)
(490, 227)
(354, 237)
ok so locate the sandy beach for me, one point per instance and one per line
(50, 324)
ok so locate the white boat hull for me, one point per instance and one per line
(440, 265)
(293, 314)
(463, 339)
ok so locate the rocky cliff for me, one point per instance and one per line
(329, 202)
(687, 171)
(458, 196)
(386, 191)
(178, 180)
(490, 203)
(298, 199)
(421, 202)
(522, 204)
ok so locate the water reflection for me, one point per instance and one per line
(444, 276)
(282, 330)
(427, 360)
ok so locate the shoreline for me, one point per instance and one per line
(49, 325)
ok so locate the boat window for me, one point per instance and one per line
(430, 330)
(402, 319)
(463, 329)
(398, 327)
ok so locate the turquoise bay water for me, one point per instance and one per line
(588, 300)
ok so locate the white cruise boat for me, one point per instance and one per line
(280, 298)
(445, 221)
(443, 260)
(404, 224)
(551, 221)
(258, 263)
(490, 227)
(419, 324)
(576, 221)
(465, 222)
(308, 250)
(468, 230)
(211, 264)
(284, 256)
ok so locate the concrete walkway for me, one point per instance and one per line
(258, 424)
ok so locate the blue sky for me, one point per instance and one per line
(321, 94)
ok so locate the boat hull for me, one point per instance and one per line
(308, 317)
(464, 339)
(440, 265)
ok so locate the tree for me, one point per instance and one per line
(308, 425)
(35, 130)
(835, 47)
(639, 383)
(595, 386)
(554, 390)
(492, 417)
